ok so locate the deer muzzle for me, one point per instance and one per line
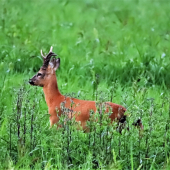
(31, 82)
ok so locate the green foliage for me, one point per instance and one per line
(28, 142)
(116, 51)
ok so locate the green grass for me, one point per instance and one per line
(110, 51)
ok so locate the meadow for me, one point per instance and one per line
(110, 51)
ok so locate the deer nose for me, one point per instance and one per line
(31, 82)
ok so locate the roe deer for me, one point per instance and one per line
(80, 109)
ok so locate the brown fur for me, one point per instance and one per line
(46, 78)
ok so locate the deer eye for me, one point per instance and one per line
(39, 74)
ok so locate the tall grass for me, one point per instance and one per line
(28, 142)
(116, 51)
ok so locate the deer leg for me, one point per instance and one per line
(122, 124)
(53, 120)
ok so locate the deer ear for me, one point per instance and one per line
(55, 63)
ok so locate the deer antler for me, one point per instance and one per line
(51, 49)
(42, 54)
(47, 57)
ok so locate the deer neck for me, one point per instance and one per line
(51, 91)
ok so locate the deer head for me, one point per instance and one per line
(47, 70)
